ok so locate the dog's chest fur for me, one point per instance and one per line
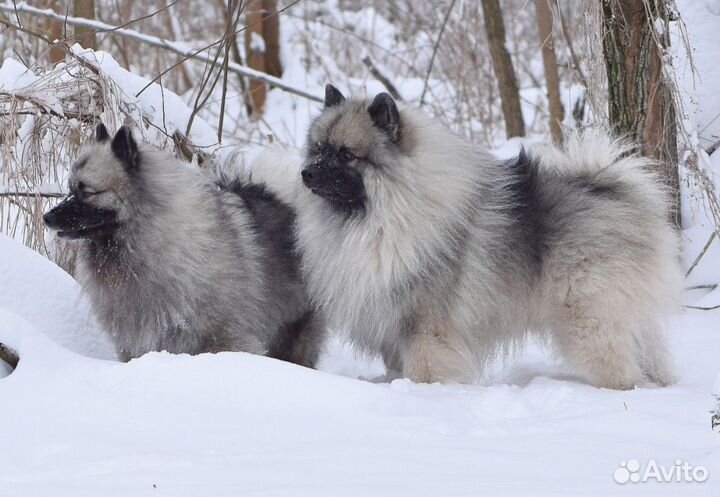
(370, 272)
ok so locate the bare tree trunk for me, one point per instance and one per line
(544, 15)
(55, 27)
(271, 34)
(85, 36)
(255, 49)
(504, 72)
(640, 102)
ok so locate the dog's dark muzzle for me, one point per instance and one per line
(335, 184)
(75, 219)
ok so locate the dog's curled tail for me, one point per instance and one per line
(278, 169)
(609, 161)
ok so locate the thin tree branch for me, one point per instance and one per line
(155, 41)
(702, 253)
(52, 43)
(377, 74)
(702, 308)
(231, 26)
(568, 40)
(434, 52)
(711, 286)
(32, 194)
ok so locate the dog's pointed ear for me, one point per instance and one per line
(332, 96)
(101, 133)
(125, 148)
(385, 115)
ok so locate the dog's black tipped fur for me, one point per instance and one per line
(330, 175)
(273, 221)
(75, 219)
(274, 224)
(385, 115)
(527, 207)
(101, 133)
(125, 148)
(333, 96)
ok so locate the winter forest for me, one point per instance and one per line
(216, 86)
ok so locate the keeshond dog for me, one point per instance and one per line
(437, 257)
(172, 260)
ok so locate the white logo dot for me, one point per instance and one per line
(621, 475)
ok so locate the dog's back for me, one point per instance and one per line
(303, 330)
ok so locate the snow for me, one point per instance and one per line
(234, 423)
(49, 299)
(257, 42)
(164, 109)
(14, 76)
(702, 18)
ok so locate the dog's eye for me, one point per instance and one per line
(348, 155)
(84, 192)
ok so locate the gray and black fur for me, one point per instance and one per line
(435, 256)
(174, 259)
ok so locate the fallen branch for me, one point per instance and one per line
(9, 356)
(175, 47)
(712, 148)
(702, 253)
(702, 308)
(32, 194)
(711, 286)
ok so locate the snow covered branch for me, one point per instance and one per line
(178, 48)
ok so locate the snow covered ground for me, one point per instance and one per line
(237, 424)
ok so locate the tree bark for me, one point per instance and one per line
(255, 49)
(271, 34)
(504, 72)
(544, 15)
(640, 102)
(55, 27)
(83, 35)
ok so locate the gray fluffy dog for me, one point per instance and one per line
(435, 256)
(173, 261)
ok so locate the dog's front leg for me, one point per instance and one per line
(435, 352)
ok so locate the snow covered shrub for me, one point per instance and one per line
(45, 119)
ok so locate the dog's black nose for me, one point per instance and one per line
(49, 218)
(307, 176)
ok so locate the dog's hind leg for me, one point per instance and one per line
(301, 341)
(599, 345)
(654, 356)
